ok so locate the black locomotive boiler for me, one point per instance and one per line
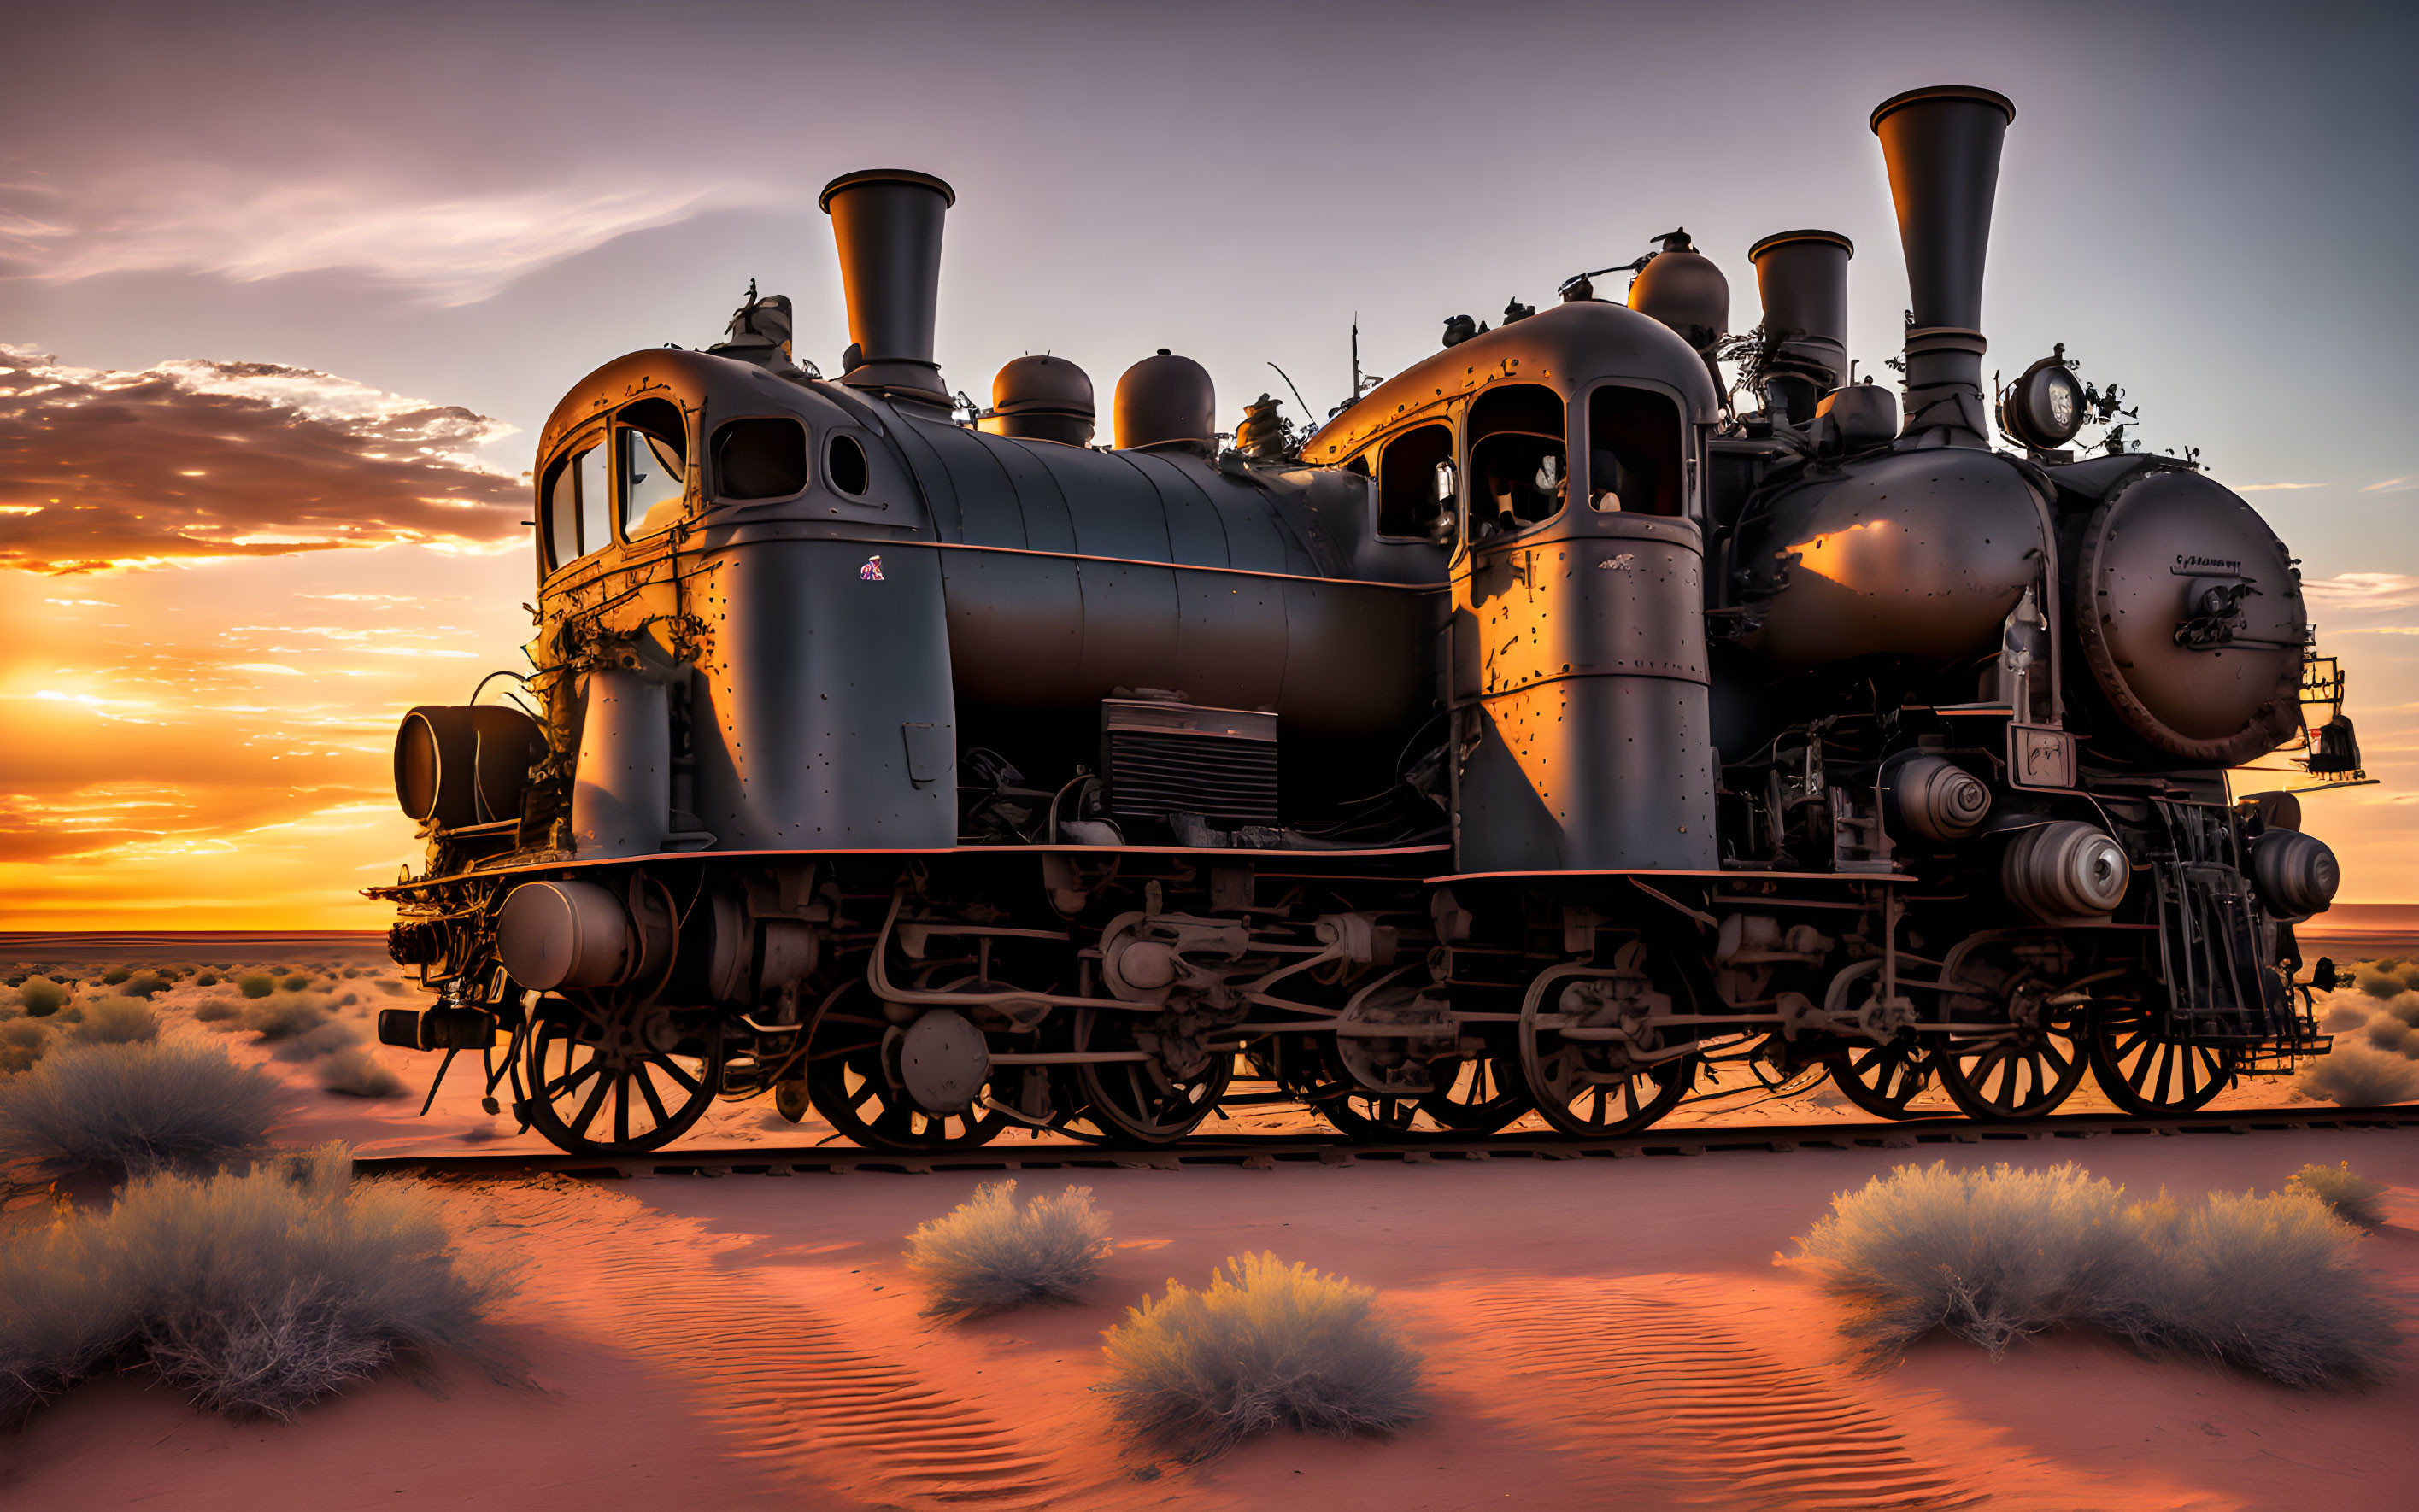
(1547, 727)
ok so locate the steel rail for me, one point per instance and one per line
(1265, 1150)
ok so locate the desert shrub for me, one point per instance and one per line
(1987, 1255)
(206, 979)
(134, 1109)
(987, 1253)
(295, 982)
(115, 974)
(255, 1294)
(43, 997)
(390, 987)
(256, 984)
(22, 1042)
(2355, 1199)
(145, 987)
(119, 1021)
(326, 1039)
(348, 999)
(1266, 1344)
(351, 971)
(2269, 1284)
(357, 1072)
(219, 1011)
(2355, 1076)
(281, 1019)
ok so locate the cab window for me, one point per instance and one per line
(1635, 453)
(1410, 483)
(576, 495)
(1518, 467)
(650, 439)
(763, 458)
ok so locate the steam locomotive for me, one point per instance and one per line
(1550, 729)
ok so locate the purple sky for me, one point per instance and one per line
(457, 210)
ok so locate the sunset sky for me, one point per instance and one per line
(286, 292)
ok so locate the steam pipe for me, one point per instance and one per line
(1942, 146)
(888, 224)
(1802, 279)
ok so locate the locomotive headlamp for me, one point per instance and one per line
(2043, 408)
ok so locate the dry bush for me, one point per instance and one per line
(2355, 1199)
(22, 1042)
(1987, 1255)
(988, 1254)
(2355, 1076)
(130, 1108)
(119, 1021)
(221, 1011)
(326, 1039)
(206, 979)
(2268, 1284)
(255, 1294)
(41, 997)
(359, 1071)
(296, 982)
(256, 984)
(115, 974)
(390, 987)
(284, 1018)
(146, 986)
(1266, 1344)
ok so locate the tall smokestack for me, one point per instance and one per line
(888, 222)
(1942, 146)
(1802, 279)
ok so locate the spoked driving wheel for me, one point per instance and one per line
(2144, 1071)
(1166, 1080)
(2022, 1074)
(1470, 1098)
(861, 1094)
(1883, 1079)
(1593, 1060)
(621, 1083)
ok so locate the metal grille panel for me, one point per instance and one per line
(1165, 758)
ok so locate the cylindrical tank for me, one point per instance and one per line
(621, 790)
(1165, 398)
(1042, 399)
(1942, 147)
(888, 224)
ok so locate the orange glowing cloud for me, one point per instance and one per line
(195, 459)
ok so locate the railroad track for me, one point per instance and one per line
(1266, 1151)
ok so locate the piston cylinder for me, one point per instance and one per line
(2066, 872)
(553, 935)
(2295, 874)
(1936, 798)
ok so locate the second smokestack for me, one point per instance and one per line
(888, 224)
(1942, 146)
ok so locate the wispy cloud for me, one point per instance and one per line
(2393, 486)
(196, 459)
(2362, 592)
(206, 218)
(2269, 488)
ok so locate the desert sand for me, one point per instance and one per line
(1597, 1333)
